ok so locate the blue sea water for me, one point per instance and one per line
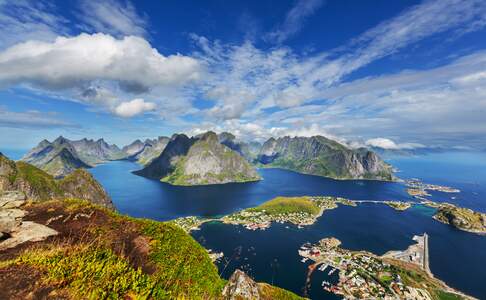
(456, 257)
(271, 256)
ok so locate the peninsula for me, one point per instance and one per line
(304, 211)
(363, 275)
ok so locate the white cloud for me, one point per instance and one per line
(31, 119)
(113, 17)
(294, 20)
(245, 80)
(389, 144)
(134, 107)
(22, 20)
(70, 62)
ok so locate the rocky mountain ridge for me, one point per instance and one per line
(198, 161)
(63, 156)
(145, 152)
(321, 156)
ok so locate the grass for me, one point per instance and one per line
(42, 183)
(94, 268)
(283, 205)
(90, 271)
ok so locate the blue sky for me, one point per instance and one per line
(396, 74)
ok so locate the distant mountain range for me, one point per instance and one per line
(197, 161)
(212, 159)
(145, 152)
(63, 156)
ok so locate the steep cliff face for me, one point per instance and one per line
(248, 150)
(134, 148)
(63, 156)
(37, 185)
(199, 161)
(318, 155)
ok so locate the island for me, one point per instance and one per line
(418, 189)
(305, 210)
(364, 275)
(461, 218)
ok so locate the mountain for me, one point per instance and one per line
(37, 185)
(95, 152)
(63, 156)
(198, 161)
(247, 150)
(58, 158)
(145, 152)
(321, 156)
(134, 148)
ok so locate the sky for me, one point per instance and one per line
(393, 74)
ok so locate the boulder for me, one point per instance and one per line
(27, 232)
(241, 286)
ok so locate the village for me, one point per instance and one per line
(363, 275)
(301, 211)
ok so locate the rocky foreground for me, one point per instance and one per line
(80, 250)
(62, 239)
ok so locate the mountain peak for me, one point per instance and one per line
(209, 136)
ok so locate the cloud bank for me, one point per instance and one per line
(134, 107)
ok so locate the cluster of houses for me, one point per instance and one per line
(361, 275)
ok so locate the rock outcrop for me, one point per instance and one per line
(321, 156)
(198, 161)
(13, 229)
(241, 286)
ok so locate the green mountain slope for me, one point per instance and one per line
(38, 185)
(198, 161)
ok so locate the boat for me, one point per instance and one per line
(304, 259)
(322, 267)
